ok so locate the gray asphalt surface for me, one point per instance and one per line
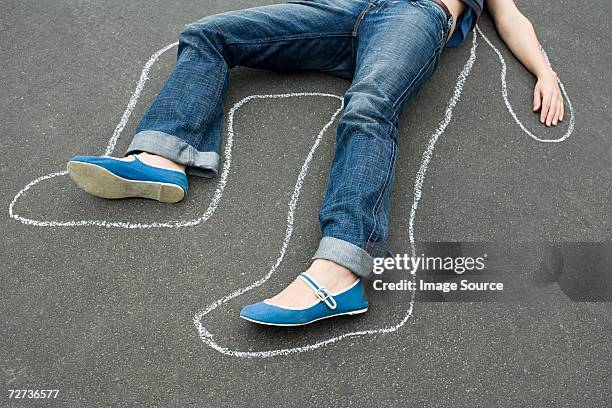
(105, 315)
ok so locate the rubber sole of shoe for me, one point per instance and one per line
(355, 312)
(100, 182)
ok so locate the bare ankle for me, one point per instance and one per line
(160, 161)
(329, 266)
(331, 274)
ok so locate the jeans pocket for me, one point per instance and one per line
(443, 22)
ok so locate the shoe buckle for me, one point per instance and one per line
(325, 296)
(322, 294)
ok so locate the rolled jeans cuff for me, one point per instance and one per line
(202, 164)
(346, 254)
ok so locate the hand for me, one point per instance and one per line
(548, 100)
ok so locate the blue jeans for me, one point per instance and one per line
(388, 48)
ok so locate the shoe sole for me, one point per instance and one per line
(356, 312)
(100, 182)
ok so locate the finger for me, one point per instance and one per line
(557, 113)
(550, 118)
(537, 99)
(562, 111)
(551, 111)
(545, 107)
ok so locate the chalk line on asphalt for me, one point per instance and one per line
(427, 155)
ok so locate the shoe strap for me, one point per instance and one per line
(321, 292)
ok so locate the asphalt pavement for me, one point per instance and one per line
(106, 314)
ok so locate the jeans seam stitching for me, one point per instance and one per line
(416, 78)
(384, 188)
(292, 37)
(360, 17)
(378, 200)
(217, 100)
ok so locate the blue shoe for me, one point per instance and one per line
(350, 301)
(109, 177)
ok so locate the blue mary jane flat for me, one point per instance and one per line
(350, 301)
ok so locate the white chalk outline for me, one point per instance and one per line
(504, 89)
(204, 334)
(227, 160)
(208, 338)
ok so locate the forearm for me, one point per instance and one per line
(518, 34)
(520, 37)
